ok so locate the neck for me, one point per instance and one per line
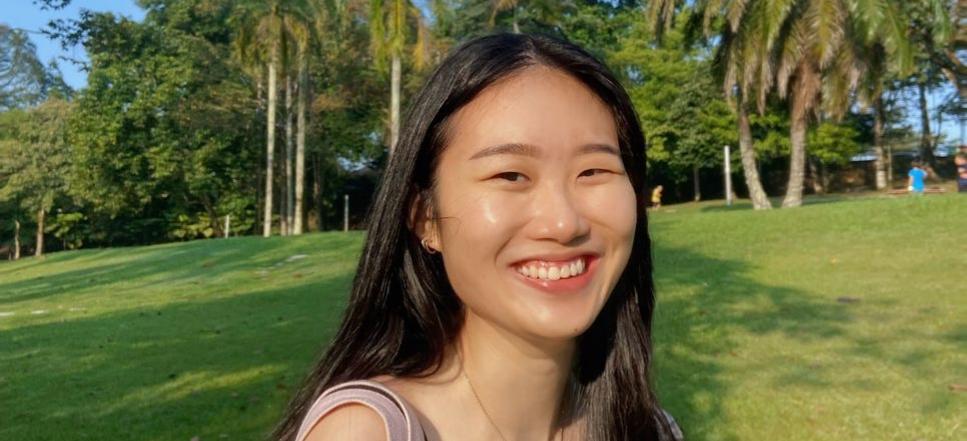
(520, 383)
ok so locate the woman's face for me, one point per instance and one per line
(536, 216)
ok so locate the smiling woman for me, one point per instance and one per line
(505, 284)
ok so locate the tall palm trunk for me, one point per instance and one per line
(696, 184)
(803, 96)
(41, 215)
(879, 118)
(815, 173)
(797, 156)
(516, 26)
(300, 141)
(289, 147)
(394, 117)
(270, 143)
(760, 201)
(926, 146)
(317, 190)
(16, 239)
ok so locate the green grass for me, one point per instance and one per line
(754, 342)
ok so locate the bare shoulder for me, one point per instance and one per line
(349, 421)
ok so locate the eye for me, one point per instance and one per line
(592, 172)
(510, 176)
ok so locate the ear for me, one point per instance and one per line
(422, 222)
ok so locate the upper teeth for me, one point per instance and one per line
(552, 271)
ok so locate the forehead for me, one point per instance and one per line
(539, 106)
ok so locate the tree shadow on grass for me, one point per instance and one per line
(157, 264)
(219, 369)
(703, 305)
(228, 366)
(745, 204)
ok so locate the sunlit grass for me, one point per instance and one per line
(206, 338)
(844, 319)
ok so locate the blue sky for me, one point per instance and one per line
(30, 17)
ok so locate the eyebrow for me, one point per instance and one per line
(532, 151)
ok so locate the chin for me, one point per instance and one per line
(560, 326)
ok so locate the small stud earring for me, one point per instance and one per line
(427, 246)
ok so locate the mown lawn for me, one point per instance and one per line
(841, 320)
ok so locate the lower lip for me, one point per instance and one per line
(563, 286)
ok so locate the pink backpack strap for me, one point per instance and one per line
(399, 418)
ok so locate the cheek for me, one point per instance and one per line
(615, 209)
(476, 225)
(482, 220)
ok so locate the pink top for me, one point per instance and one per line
(400, 419)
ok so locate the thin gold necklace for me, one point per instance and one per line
(463, 370)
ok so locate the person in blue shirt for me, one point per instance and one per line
(917, 176)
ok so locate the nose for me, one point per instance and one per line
(556, 215)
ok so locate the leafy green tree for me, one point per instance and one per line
(830, 144)
(538, 13)
(805, 51)
(33, 149)
(936, 28)
(24, 80)
(163, 128)
(684, 118)
(35, 159)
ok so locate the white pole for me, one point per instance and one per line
(728, 177)
(228, 224)
(345, 213)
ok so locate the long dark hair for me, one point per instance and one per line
(402, 312)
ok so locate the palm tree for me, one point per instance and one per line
(661, 16)
(760, 200)
(543, 11)
(304, 33)
(937, 39)
(503, 5)
(265, 29)
(285, 206)
(300, 142)
(871, 91)
(808, 52)
(260, 32)
(391, 24)
(296, 39)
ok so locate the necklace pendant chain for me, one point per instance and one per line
(463, 370)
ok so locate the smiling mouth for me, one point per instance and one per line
(558, 277)
(542, 270)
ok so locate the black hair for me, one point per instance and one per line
(403, 314)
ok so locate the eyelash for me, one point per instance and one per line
(504, 176)
(513, 176)
(596, 170)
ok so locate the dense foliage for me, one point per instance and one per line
(168, 139)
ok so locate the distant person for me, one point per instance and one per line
(961, 161)
(656, 196)
(917, 176)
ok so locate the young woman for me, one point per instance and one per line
(504, 291)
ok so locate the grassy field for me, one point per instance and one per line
(841, 320)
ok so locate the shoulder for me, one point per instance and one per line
(359, 410)
(349, 421)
